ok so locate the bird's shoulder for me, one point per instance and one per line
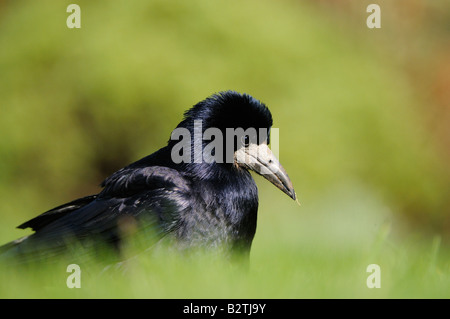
(129, 181)
(150, 173)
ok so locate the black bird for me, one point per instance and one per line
(206, 201)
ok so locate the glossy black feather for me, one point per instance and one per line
(46, 218)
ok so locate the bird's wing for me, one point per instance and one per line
(149, 199)
(56, 213)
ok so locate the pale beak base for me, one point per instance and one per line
(261, 160)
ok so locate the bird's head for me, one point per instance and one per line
(231, 130)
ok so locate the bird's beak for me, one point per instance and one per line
(260, 159)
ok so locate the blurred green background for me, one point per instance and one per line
(363, 116)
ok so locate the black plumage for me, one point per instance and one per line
(191, 204)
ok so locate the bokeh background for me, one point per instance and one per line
(363, 116)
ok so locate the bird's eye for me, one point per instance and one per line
(245, 140)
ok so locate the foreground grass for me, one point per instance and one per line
(318, 250)
(408, 270)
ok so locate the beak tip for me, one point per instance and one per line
(293, 195)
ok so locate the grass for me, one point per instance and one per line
(295, 255)
(302, 272)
